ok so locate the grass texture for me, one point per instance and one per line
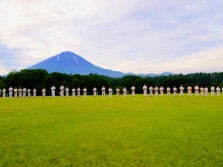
(111, 131)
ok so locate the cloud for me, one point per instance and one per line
(204, 61)
(126, 36)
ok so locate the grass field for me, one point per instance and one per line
(119, 131)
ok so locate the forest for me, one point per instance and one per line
(42, 79)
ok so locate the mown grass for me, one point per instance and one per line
(118, 131)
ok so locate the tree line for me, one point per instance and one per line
(40, 78)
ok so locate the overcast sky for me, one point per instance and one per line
(140, 36)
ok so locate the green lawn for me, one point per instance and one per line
(111, 131)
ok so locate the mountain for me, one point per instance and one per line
(70, 63)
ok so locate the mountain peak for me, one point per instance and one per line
(71, 63)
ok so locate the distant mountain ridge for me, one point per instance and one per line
(71, 63)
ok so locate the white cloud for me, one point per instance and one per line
(204, 61)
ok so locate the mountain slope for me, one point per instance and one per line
(70, 63)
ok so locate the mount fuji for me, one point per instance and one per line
(70, 63)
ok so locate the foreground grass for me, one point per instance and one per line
(117, 131)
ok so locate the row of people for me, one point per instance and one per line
(77, 92)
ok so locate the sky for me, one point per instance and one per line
(139, 36)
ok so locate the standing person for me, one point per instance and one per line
(144, 90)
(156, 89)
(95, 91)
(20, 92)
(85, 91)
(15, 92)
(133, 90)
(103, 91)
(62, 91)
(206, 91)
(181, 90)
(67, 91)
(34, 92)
(73, 92)
(53, 91)
(212, 91)
(218, 91)
(150, 90)
(43, 92)
(189, 90)
(28, 92)
(4, 92)
(175, 91)
(24, 92)
(10, 91)
(196, 88)
(78, 91)
(110, 91)
(202, 91)
(124, 91)
(222, 91)
(161, 90)
(0, 92)
(168, 91)
(117, 91)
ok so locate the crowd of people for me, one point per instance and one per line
(65, 91)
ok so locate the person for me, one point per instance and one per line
(67, 91)
(28, 92)
(110, 91)
(133, 90)
(95, 91)
(175, 91)
(181, 90)
(222, 91)
(73, 92)
(144, 90)
(62, 91)
(196, 88)
(53, 90)
(124, 91)
(34, 92)
(24, 92)
(189, 90)
(161, 90)
(117, 91)
(206, 91)
(78, 91)
(156, 90)
(10, 91)
(212, 91)
(168, 91)
(103, 91)
(85, 91)
(201, 91)
(4, 92)
(0, 92)
(15, 92)
(150, 90)
(43, 92)
(218, 91)
(20, 92)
